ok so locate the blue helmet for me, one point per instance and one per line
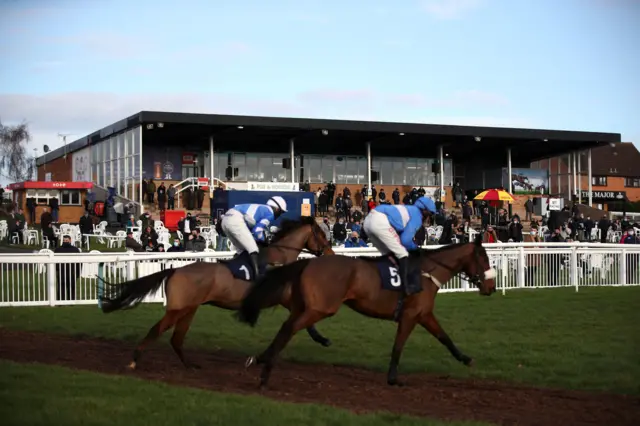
(424, 203)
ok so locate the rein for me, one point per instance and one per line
(475, 279)
(316, 253)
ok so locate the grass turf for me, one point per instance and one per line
(44, 395)
(555, 337)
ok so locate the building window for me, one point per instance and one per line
(599, 180)
(632, 182)
(70, 198)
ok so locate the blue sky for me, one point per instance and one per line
(74, 66)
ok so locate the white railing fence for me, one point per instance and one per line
(59, 279)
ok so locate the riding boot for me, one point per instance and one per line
(256, 267)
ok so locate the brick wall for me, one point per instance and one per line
(60, 169)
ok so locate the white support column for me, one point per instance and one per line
(140, 177)
(549, 171)
(292, 159)
(441, 155)
(575, 180)
(211, 164)
(579, 154)
(509, 171)
(369, 169)
(589, 178)
(569, 178)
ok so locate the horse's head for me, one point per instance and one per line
(479, 270)
(300, 234)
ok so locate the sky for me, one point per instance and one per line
(74, 66)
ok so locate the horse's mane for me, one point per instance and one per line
(288, 226)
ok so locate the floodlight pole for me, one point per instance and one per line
(579, 155)
(369, 192)
(211, 165)
(441, 155)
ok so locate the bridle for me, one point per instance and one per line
(475, 279)
(316, 253)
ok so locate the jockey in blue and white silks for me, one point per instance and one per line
(391, 229)
(244, 224)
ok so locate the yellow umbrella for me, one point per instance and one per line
(494, 195)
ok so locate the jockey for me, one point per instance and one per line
(391, 228)
(244, 224)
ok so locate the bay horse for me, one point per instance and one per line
(321, 285)
(205, 283)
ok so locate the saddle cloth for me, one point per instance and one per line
(241, 268)
(390, 274)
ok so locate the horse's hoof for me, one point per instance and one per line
(249, 362)
(395, 382)
(132, 365)
(326, 343)
(467, 361)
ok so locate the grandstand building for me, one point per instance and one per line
(246, 152)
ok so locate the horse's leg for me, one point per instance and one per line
(317, 337)
(167, 321)
(291, 326)
(430, 322)
(405, 327)
(179, 333)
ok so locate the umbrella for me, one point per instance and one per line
(494, 195)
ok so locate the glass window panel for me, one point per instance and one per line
(129, 142)
(136, 140)
(252, 167)
(327, 168)
(412, 174)
(340, 170)
(386, 172)
(362, 170)
(121, 171)
(448, 172)
(312, 168)
(238, 161)
(398, 172)
(121, 151)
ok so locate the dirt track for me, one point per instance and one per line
(354, 389)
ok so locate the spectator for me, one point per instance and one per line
(528, 207)
(382, 196)
(171, 197)
(162, 195)
(151, 246)
(131, 243)
(348, 205)
(515, 229)
(374, 194)
(146, 220)
(176, 246)
(354, 241)
(395, 195)
(629, 237)
(47, 232)
(339, 205)
(31, 209)
(340, 231)
(66, 273)
(54, 206)
(151, 190)
(195, 242)
(14, 225)
(86, 226)
(346, 192)
(331, 190)
(458, 194)
(603, 225)
(490, 235)
(149, 234)
(325, 228)
(45, 218)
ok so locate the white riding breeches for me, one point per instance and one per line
(234, 226)
(382, 235)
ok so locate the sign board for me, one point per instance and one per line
(47, 177)
(80, 166)
(555, 204)
(273, 186)
(605, 195)
(188, 158)
(51, 185)
(305, 210)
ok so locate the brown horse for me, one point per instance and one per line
(321, 285)
(214, 284)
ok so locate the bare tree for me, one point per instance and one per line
(15, 164)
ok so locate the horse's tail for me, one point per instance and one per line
(130, 293)
(268, 290)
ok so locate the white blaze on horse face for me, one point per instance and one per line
(490, 274)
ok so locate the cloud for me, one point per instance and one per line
(449, 9)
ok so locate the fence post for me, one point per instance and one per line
(51, 280)
(573, 276)
(131, 267)
(521, 267)
(503, 270)
(623, 267)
